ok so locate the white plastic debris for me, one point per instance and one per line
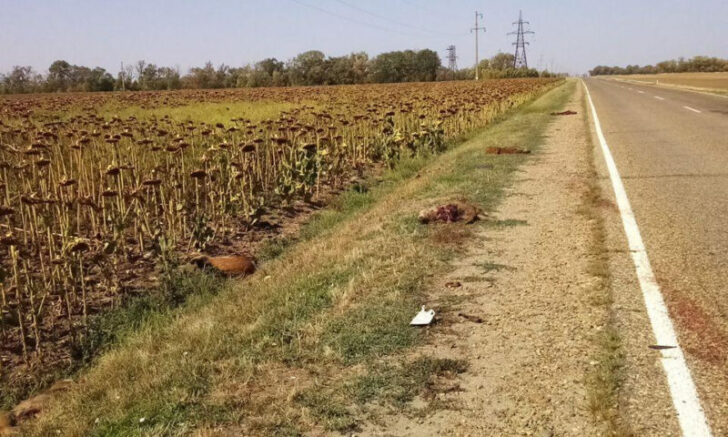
(423, 318)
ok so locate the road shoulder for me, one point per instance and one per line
(537, 280)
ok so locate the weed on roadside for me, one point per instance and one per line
(605, 378)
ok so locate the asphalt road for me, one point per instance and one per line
(671, 149)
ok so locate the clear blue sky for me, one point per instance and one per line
(571, 35)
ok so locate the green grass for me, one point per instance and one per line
(398, 384)
(198, 112)
(390, 385)
(155, 308)
(322, 330)
(207, 112)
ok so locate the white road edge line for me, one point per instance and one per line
(685, 399)
(692, 109)
(659, 98)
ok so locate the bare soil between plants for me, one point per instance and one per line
(280, 223)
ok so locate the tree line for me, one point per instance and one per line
(308, 68)
(697, 64)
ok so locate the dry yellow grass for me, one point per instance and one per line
(701, 81)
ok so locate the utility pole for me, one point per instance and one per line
(520, 60)
(477, 29)
(452, 60)
(121, 73)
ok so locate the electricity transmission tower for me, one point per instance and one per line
(452, 59)
(520, 60)
(477, 29)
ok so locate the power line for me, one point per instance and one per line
(399, 23)
(352, 20)
(421, 7)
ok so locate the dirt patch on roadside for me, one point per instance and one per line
(506, 151)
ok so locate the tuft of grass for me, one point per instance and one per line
(273, 248)
(398, 384)
(390, 384)
(152, 308)
(472, 279)
(377, 330)
(508, 223)
(343, 207)
(330, 411)
(286, 315)
(488, 267)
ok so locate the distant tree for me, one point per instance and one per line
(139, 70)
(667, 66)
(125, 79)
(268, 72)
(308, 68)
(388, 67)
(58, 76)
(223, 77)
(680, 65)
(426, 64)
(502, 61)
(632, 69)
(22, 79)
(485, 65)
(147, 76)
(500, 66)
(348, 69)
(99, 80)
(648, 69)
(270, 66)
(200, 77)
(258, 78)
(169, 78)
(280, 78)
(359, 67)
(405, 66)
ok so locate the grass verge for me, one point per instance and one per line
(155, 307)
(321, 333)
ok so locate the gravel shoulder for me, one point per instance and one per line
(531, 279)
